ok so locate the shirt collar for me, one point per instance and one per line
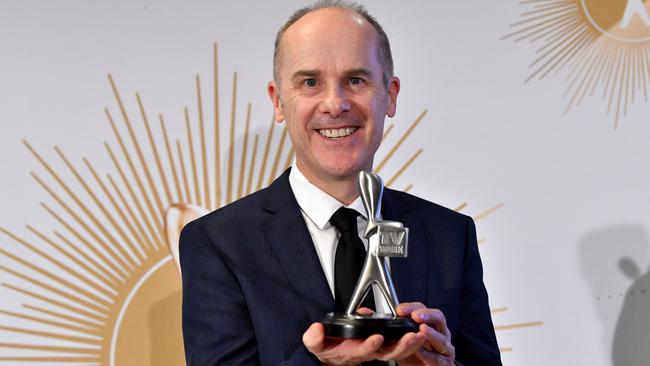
(315, 203)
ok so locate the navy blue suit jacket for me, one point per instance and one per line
(252, 281)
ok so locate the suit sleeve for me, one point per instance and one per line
(217, 328)
(475, 342)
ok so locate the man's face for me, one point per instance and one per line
(332, 94)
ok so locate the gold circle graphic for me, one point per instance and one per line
(148, 329)
(621, 20)
(603, 46)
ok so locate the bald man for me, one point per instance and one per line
(259, 274)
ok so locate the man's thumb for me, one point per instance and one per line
(314, 338)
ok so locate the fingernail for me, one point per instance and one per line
(425, 316)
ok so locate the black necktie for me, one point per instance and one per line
(350, 255)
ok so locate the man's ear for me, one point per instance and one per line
(393, 90)
(274, 93)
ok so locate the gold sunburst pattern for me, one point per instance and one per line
(602, 47)
(499, 326)
(103, 289)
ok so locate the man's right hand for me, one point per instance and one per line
(354, 351)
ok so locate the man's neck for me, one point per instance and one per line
(344, 189)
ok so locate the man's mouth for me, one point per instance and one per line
(336, 133)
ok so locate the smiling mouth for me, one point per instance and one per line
(337, 133)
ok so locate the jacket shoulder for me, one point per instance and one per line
(424, 208)
(245, 210)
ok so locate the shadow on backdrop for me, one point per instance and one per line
(632, 336)
(615, 265)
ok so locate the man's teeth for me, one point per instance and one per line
(337, 132)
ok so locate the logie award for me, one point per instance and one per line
(385, 239)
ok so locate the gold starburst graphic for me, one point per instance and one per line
(603, 47)
(499, 327)
(104, 289)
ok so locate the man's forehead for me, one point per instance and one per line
(329, 17)
(327, 23)
(330, 27)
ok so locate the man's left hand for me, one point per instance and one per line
(437, 349)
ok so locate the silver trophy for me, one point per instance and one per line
(385, 239)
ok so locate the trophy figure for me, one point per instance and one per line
(385, 239)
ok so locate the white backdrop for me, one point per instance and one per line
(567, 249)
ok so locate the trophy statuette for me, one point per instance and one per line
(385, 239)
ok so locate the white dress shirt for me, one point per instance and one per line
(317, 207)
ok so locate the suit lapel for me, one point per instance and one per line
(408, 274)
(289, 239)
(290, 242)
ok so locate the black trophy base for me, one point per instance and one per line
(340, 325)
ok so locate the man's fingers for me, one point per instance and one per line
(437, 346)
(354, 351)
(438, 341)
(405, 347)
(433, 317)
(430, 358)
(406, 308)
(314, 338)
(347, 351)
(364, 311)
(369, 346)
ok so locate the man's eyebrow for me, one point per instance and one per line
(315, 73)
(358, 72)
(305, 73)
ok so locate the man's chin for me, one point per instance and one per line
(344, 172)
(333, 168)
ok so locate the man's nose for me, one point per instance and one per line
(335, 101)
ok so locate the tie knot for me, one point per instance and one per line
(345, 220)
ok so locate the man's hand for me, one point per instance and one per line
(340, 352)
(431, 345)
(437, 349)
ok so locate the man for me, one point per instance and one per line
(259, 274)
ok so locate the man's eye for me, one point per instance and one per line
(311, 83)
(356, 81)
